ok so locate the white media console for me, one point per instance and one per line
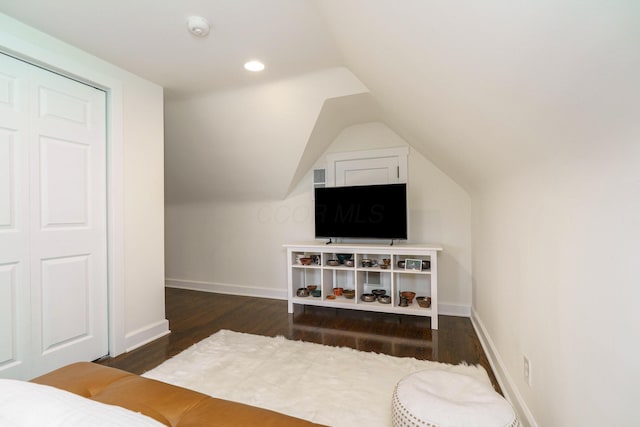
(364, 278)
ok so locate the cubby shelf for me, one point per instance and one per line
(363, 278)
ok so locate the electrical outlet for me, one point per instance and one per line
(527, 370)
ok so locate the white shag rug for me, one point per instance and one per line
(335, 386)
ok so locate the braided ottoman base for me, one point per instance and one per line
(435, 398)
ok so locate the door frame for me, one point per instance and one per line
(63, 65)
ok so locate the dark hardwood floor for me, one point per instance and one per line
(194, 316)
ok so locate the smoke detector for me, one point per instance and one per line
(198, 26)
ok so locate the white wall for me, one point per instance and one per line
(556, 268)
(231, 158)
(236, 247)
(136, 181)
(144, 213)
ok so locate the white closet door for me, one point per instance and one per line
(65, 219)
(68, 221)
(15, 331)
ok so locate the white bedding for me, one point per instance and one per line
(24, 404)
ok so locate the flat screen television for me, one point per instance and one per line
(364, 211)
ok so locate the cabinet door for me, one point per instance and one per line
(367, 171)
(370, 167)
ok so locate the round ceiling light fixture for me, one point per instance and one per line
(254, 66)
(198, 26)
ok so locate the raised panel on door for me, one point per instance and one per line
(13, 148)
(63, 107)
(12, 89)
(68, 221)
(64, 183)
(65, 292)
(8, 306)
(8, 165)
(7, 90)
(13, 324)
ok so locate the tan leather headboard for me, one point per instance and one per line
(171, 405)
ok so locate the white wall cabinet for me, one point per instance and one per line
(363, 279)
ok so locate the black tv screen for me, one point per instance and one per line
(367, 211)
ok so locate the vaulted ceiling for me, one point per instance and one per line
(483, 89)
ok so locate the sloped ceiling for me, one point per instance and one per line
(336, 114)
(483, 89)
(247, 144)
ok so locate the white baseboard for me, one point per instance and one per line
(223, 288)
(145, 335)
(507, 385)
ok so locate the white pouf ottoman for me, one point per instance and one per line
(436, 398)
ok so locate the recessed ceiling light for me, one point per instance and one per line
(254, 66)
